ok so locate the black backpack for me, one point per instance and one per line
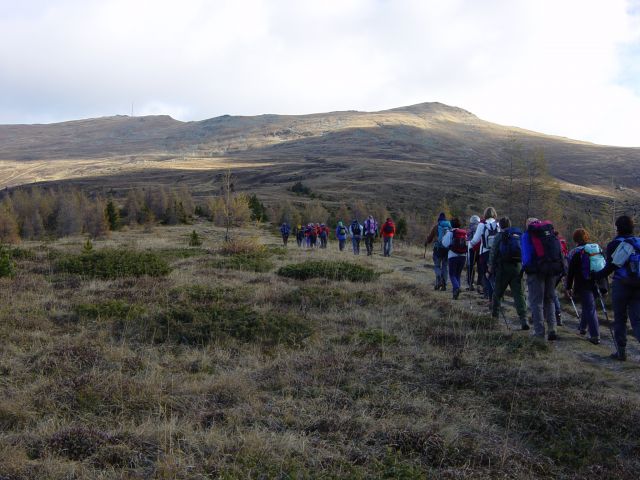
(355, 228)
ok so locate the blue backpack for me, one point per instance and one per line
(443, 227)
(510, 248)
(631, 270)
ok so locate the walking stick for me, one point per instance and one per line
(574, 305)
(504, 317)
(606, 316)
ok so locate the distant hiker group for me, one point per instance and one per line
(317, 235)
(503, 254)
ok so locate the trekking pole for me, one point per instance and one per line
(574, 305)
(606, 316)
(504, 317)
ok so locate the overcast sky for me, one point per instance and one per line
(565, 67)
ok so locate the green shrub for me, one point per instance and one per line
(329, 270)
(194, 239)
(107, 310)
(111, 264)
(171, 254)
(200, 326)
(375, 337)
(18, 253)
(7, 267)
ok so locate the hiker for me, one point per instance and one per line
(485, 236)
(623, 260)
(284, 231)
(388, 232)
(315, 235)
(307, 234)
(580, 281)
(341, 235)
(542, 262)
(472, 252)
(370, 233)
(323, 235)
(556, 298)
(455, 241)
(355, 231)
(505, 262)
(299, 235)
(440, 253)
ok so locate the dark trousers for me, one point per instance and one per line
(285, 238)
(626, 303)
(368, 241)
(341, 242)
(471, 268)
(508, 275)
(589, 316)
(441, 266)
(323, 241)
(487, 283)
(388, 246)
(456, 265)
(356, 245)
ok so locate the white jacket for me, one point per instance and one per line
(480, 232)
(446, 243)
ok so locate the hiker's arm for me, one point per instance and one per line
(610, 267)
(477, 236)
(432, 234)
(493, 256)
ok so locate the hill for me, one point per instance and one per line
(407, 155)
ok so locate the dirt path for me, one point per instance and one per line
(569, 341)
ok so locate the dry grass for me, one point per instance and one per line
(101, 378)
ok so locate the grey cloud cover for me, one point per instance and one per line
(559, 67)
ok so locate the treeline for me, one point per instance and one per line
(40, 212)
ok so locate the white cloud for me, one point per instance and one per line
(556, 67)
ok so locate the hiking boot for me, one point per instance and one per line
(594, 340)
(524, 325)
(456, 294)
(620, 355)
(582, 332)
(559, 320)
(552, 336)
(444, 288)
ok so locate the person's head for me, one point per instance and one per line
(624, 225)
(474, 220)
(299, 226)
(455, 222)
(581, 236)
(370, 217)
(442, 217)
(505, 222)
(490, 212)
(531, 220)
(389, 219)
(340, 223)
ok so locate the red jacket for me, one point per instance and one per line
(388, 234)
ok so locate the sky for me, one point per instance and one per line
(563, 67)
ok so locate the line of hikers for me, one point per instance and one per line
(502, 254)
(317, 235)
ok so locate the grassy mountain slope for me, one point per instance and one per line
(224, 369)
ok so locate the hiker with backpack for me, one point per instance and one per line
(341, 235)
(623, 260)
(485, 236)
(472, 252)
(323, 234)
(556, 298)
(542, 262)
(355, 232)
(455, 240)
(440, 253)
(586, 259)
(388, 232)
(284, 231)
(505, 262)
(299, 235)
(370, 233)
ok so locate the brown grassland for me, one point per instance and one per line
(218, 367)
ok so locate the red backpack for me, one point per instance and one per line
(459, 241)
